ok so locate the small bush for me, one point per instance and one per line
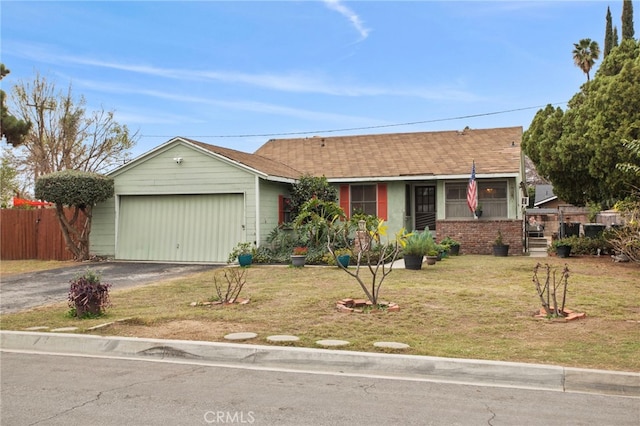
(583, 246)
(88, 297)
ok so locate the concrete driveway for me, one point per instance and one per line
(23, 291)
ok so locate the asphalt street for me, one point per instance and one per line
(62, 390)
(23, 291)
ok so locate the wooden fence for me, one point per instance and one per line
(31, 234)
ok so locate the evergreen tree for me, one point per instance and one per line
(615, 37)
(608, 35)
(627, 20)
(11, 128)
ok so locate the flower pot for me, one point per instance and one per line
(563, 251)
(501, 250)
(413, 262)
(344, 260)
(245, 259)
(454, 250)
(431, 260)
(298, 260)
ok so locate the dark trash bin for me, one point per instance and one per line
(593, 230)
(569, 229)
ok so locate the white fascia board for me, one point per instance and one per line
(280, 179)
(420, 177)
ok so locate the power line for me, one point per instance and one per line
(350, 129)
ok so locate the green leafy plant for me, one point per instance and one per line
(80, 191)
(418, 243)
(449, 242)
(88, 296)
(498, 241)
(241, 249)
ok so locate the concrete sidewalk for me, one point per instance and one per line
(412, 367)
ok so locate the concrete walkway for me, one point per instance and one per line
(462, 371)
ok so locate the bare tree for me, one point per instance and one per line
(64, 136)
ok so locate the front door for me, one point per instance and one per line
(425, 207)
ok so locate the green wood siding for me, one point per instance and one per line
(269, 209)
(103, 229)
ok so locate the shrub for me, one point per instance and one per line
(88, 297)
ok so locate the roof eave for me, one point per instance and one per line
(418, 177)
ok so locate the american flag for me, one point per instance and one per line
(472, 190)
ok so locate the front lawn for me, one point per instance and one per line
(469, 306)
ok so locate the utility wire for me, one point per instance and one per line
(349, 129)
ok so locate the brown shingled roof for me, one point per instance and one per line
(265, 165)
(400, 154)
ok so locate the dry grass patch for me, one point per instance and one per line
(465, 307)
(13, 267)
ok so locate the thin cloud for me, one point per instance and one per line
(350, 15)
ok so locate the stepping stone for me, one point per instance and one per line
(391, 345)
(282, 338)
(65, 329)
(38, 328)
(240, 336)
(330, 342)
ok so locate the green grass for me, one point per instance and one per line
(463, 307)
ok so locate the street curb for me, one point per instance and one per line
(477, 372)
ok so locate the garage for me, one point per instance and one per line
(179, 228)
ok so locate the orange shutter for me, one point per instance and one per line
(382, 201)
(344, 200)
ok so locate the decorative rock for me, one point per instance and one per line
(391, 345)
(283, 338)
(38, 328)
(240, 336)
(330, 342)
(65, 329)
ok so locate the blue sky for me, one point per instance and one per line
(238, 73)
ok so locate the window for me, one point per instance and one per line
(492, 198)
(363, 199)
(284, 210)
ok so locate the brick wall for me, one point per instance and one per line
(477, 236)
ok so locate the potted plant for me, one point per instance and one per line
(243, 252)
(453, 245)
(299, 256)
(87, 295)
(432, 256)
(562, 247)
(478, 211)
(499, 247)
(415, 246)
(343, 256)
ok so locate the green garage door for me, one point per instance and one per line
(179, 228)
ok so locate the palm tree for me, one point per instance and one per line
(585, 54)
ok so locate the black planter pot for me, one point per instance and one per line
(454, 250)
(501, 250)
(563, 251)
(413, 262)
